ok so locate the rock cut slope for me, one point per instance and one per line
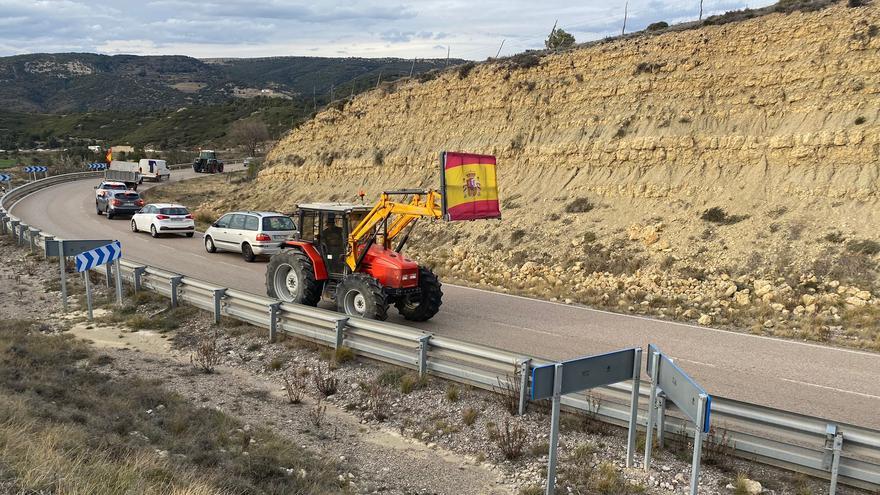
(747, 151)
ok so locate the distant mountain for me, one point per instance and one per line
(79, 82)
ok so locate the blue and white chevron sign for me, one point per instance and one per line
(98, 256)
(33, 169)
(5, 178)
(97, 166)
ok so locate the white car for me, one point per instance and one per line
(250, 233)
(163, 218)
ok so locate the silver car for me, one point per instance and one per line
(251, 233)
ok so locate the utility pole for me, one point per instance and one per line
(379, 79)
(331, 92)
(625, 8)
(499, 49)
(411, 69)
(315, 97)
(448, 48)
(701, 11)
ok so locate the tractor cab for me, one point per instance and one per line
(327, 226)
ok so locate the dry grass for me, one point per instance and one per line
(67, 428)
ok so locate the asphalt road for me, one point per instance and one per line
(837, 384)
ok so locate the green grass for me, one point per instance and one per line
(8, 163)
(66, 427)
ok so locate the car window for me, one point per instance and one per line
(224, 221)
(278, 223)
(237, 222)
(251, 223)
(173, 211)
(127, 195)
(114, 187)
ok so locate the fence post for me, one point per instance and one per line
(661, 418)
(525, 369)
(424, 342)
(175, 283)
(32, 234)
(273, 321)
(340, 332)
(218, 296)
(138, 274)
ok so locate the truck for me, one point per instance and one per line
(130, 179)
(148, 168)
(207, 163)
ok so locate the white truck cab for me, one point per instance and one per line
(149, 168)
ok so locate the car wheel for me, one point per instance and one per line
(153, 231)
(97, 209)
(247, 253)
(134, 226)
(109, 215)
(190, 234)
(209, 245)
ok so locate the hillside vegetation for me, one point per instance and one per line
(722, 175)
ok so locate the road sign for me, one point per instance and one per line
(73, 247)
(5, 178)
(584, 373)
(554, 380)
(97, 166)
(31, 170)
(685, 393)
(98, 256)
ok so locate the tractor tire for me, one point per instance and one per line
(425, 304)
(290, 277)
(359, 294)
(220, 168)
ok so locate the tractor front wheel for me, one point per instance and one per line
(359, 294)
(290, 277)
(425, 304)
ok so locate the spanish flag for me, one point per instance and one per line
(470, 186)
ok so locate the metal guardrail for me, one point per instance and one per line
(839, 452)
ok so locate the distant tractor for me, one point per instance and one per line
(351, 254)
(207, 163)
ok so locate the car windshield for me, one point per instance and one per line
(173, 211)
(120, 187)
(128, 195)
(278, 223)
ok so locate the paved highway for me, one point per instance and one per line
(837, 384)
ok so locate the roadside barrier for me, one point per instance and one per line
(838, 452)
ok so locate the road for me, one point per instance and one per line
(837, 384)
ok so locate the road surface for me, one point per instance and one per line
(837, 384)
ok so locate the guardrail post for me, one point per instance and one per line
(32, 233)
(138, 274)
(652, 409)
(46, 240)
(218, 296)
(12, 226)
(835, 462)
(273, 321)
(424, 343)
(109, 274)
(340, 332)
(525, 369)
(2, 223)
(175, 284)
(633, 428)
(21, 227)
(661, 418)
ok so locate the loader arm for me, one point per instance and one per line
(424, 203)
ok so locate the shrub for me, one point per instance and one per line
(378, 401)
(343, 355)
(510, 440)
(648, 67)
(469, 416)
(325, 381)
(866, 246)
(559, 39)
(531, 490)
(859, 120)
(856, 3)
(465, 69)
(391, 377)
(719, 216)
(507, 392)
(316, 414)
(517, 235)
(207, 355)
(657, 26)
(276, 364)
(525, 60)
(295, 386)
(412, 381)
(583, 452)
(378, 157)
(539, 449)
(579, 205)
(452, 393)
(836, 237)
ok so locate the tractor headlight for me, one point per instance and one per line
(409, 276)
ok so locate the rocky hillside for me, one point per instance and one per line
(73, 82)
(688, 174)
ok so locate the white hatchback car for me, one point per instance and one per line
(163, 218)
(250, 233)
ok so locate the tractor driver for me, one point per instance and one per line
(331, 238)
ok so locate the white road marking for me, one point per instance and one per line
(699, 363)
(862, 394)
(527, 329)
(670, 322)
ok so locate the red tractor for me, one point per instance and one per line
(347, 253)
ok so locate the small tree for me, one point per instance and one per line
(248, 133)
(559, 39)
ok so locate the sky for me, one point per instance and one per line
(356, 28)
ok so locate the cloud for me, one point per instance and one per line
(375, 28)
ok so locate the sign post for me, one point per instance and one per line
(98, 256)
(62, 249)
(554, 380)
(685, 393)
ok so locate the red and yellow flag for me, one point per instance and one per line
(109, 155)
(470, 186)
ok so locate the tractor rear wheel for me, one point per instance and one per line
(425, 304)
(290, 277)
(359, 294)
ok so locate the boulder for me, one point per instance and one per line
(705, 320)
